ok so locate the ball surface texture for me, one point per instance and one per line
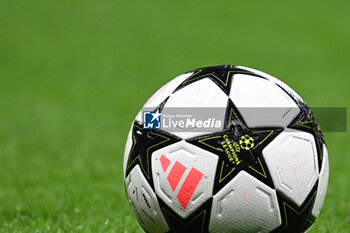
(226, 149)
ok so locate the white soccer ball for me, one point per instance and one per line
(226, 149)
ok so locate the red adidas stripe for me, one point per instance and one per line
(175, 174)
(189, 186)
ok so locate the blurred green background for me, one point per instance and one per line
(73, 74)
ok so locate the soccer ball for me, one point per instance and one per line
(260, 164)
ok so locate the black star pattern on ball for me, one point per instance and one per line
(306, 121)
(144, 143)
(296, 218)
(234, 153)
(196, 222)
(220, 75)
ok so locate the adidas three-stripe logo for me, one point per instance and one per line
(176, 173)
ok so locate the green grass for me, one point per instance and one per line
(73, 74)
